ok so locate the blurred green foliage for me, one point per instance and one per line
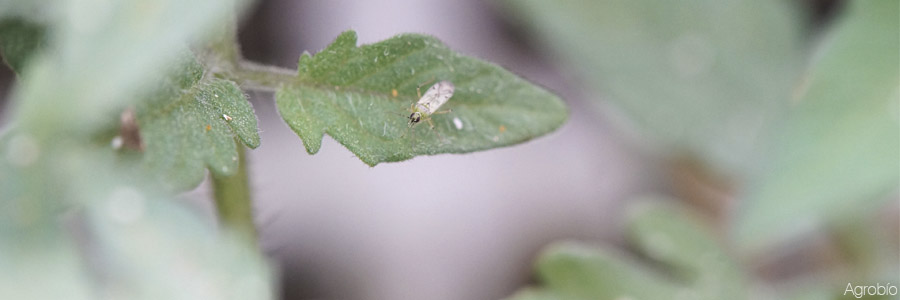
(715, 78)
(723, 82)
(361, 96)
(837, 153)
(19, 40)
(685, 263)
(702, 78)
(73, 223)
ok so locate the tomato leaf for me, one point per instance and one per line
(361, 96)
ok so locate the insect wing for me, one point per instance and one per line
(436, 96)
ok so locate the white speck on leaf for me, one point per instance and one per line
(117, 142)
(226, 117)
(458, 123)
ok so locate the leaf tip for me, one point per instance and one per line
(251, 142)
(305, 63)
(312, 141)
(346, 39)
(371, 164)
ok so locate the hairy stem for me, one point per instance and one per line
(233, 204)
(259, 77)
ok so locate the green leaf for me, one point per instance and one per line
(107, 51)
(700, 78)
(536, 294)
(686, 263)
(672, 236)
(32, 10)
(111, 50)
(837, 154)
(19, 40)
(191, 122)
(151, 247)
(49, 269)
(348, 92)
(584, 272)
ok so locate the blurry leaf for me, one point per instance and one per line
(837, 154)
(111, 48)
(536, 294)
(582, 272)
(134, 245)
(108, 53)
(39, 261)
(19, 40)
(191, 122)
(669, 235)
(348, 92)
(183, 122)
(698, 77)
(31, 10)
(690, 265)
(155, 249)
(50, 269)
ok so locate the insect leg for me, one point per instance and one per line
(430, 123)
(418, 91)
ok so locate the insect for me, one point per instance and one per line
(434, 98)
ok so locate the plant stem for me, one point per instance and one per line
(222, 56)
(233, 204)
(260, 77)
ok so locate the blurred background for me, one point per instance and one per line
(687, 101)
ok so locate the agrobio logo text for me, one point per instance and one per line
(860, 291)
